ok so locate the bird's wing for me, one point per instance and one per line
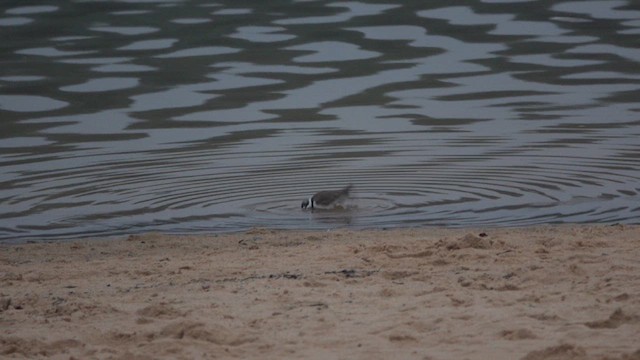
(325, 198)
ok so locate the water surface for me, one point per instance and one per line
(199, 116)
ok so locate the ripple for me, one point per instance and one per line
(248, 68)
(505, 1)
(23, 142)
(463, 15)
(156, 44)
(15, 21)
(632, 54)
(126, 30)
(96, 60)
(607, 9)
(36, 9)
(327, 51)
(51, 52)
(550, 60)
(30, 103)
(232, 12)
(103, 84)
(21, 78)
(261, 34)
(262, 193)
(190, 21)
(606, 75)
(354, 9)
(174, 98)
(527, 28)
(130, 12)
(199, 51)
(123, 68)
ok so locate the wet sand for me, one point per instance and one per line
(550, 292)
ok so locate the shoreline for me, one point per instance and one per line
(548, 291)
(349, 228)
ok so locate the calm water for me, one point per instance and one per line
(199, 116)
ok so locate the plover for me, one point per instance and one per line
(326, 199)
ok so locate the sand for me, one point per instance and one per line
(550, 292)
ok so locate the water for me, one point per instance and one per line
(197, 116)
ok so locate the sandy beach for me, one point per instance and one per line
(549, 292)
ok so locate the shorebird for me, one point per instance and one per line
(326, 199)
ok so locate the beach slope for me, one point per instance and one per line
(548, 292)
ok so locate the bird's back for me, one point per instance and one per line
(325, 198)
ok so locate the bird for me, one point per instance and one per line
(326, 198)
